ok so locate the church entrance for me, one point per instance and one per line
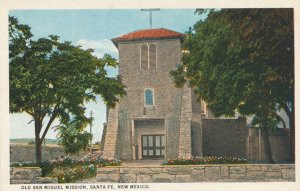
(153, 146)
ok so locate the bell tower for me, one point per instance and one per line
(154, 119)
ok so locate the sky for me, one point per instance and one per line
(93, 29)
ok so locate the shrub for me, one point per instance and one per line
(206, 160)
(108, 162)
(24, 164)
(77, 173)
(46, 167)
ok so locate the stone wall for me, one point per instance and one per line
(199, 173)
(172, 124)
(224, 137)
(110, 143)
(103, 135)
(29, 175)
(196, 126)
(185, 140)
(25, 152)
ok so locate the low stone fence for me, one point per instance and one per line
(29, 175)
(198, 173)
(24, 152)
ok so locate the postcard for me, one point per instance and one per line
(129, 95)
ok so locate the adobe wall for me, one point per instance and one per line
(198, 173)
(25, 152)
(279, 141)
(166, 96)
(224, 137)
(196, 139)
(231, 137)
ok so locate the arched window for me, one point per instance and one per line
(144, 57)
(149, 98)
(152, 56)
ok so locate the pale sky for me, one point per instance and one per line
(93, 29)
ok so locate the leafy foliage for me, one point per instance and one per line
(54, 79)
(73, 137)
(241, 61)
(19, 35)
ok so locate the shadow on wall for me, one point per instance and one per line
(279, 141)
(231, 137)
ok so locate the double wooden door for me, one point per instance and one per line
(153, 146)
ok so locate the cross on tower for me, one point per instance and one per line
(150, 13)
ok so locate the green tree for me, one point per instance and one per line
(271, 34)
(230, 72)
(52, 80)
(73, 136)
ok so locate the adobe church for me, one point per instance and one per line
(156, 120)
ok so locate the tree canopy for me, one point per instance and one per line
(54, 79)
(241, 60)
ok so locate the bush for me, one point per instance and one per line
(46, 167)
(206, 160)
(73, 136)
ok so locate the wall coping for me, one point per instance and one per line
(202, 165)
(33, 145)
(198, 173)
